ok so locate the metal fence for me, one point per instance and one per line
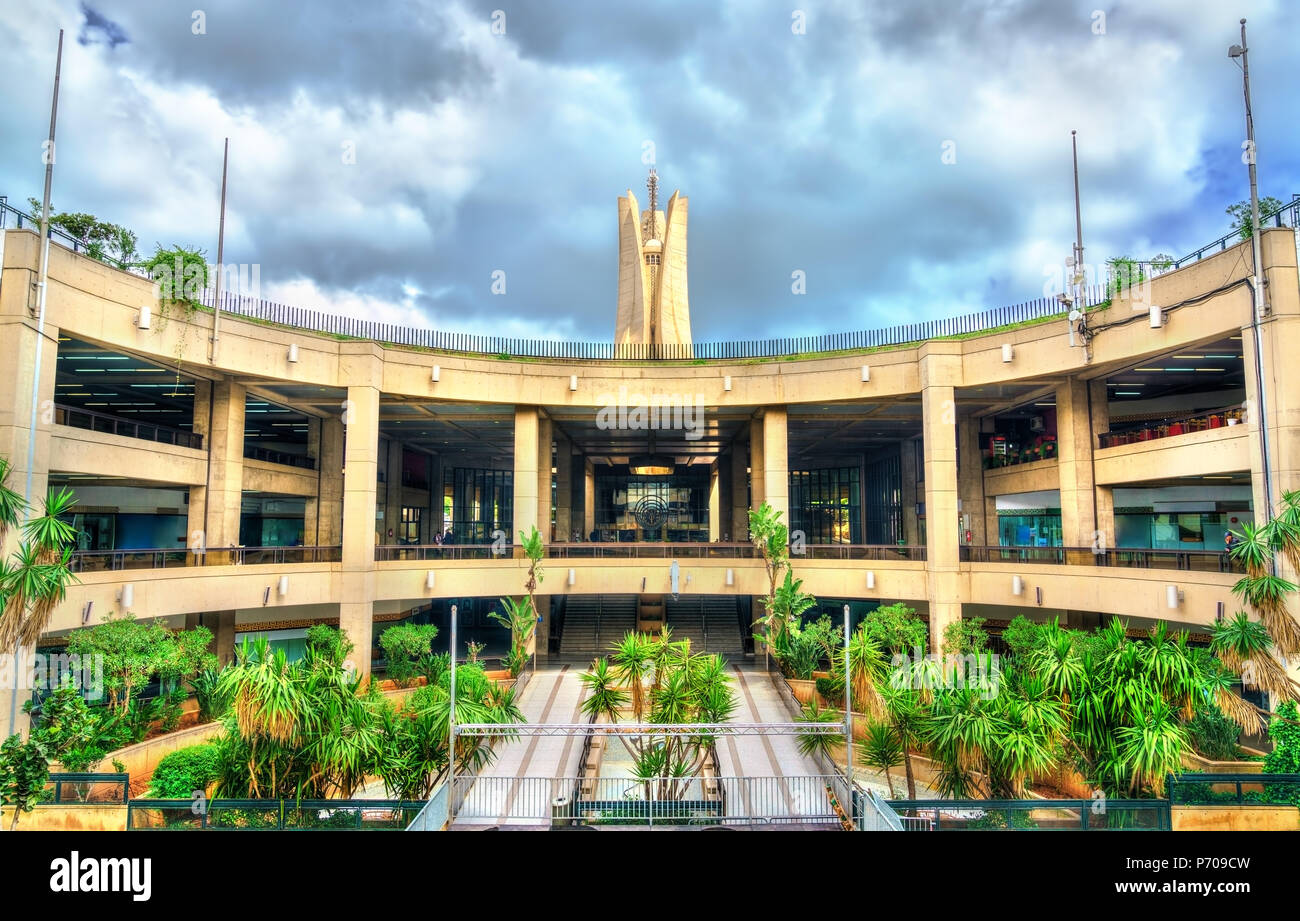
(433, 816)
(1288, 215)
(647, 550)
(1234, 789)
(703, 801)
(270, 815)
(1035, 815)
(113, 560)
(87, 789)
(1130, 557)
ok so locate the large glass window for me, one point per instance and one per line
(826, 505)
(884, 501)
(645, 508)
(410, 528)
(476, 503)
(1030, 528)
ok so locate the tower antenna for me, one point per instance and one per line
(652, 184)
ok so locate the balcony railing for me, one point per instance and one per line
(1173, 425)
(113, 560)
(1134, 557)
(146, 431)
(279, 457)
(647, 550)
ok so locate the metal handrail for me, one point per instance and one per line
(121, 784)
(1134, 557)
(1040, 309)
(253, 452)
(76, 417)
(647, 550)
(165, 558)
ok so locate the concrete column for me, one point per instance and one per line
(18, 346)
(970, 480)
(197, 510)
(563, 488)
(739, 493)
(757, 468)
(222, 625)
(1074, 467)
(908, 477)
(715, 503)
(311, 505)
(226, 465)
(538, 646)
(356, 605)
(392, 461)
(939, 371)
(1104, 495)
(525, 476)
(588, 497)
(776, 459)
(329, 510)
(544, 477)
(434, 525)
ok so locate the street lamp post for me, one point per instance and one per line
(451, 728)
(1261, 302)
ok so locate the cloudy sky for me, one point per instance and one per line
(810, 135)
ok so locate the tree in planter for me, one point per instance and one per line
(519, 619)
(661, 682)
(895, 628)
(797, 650)
(134, 651)
(534, 550)
(883, 750)
(405, 647)
(330, 644)
(35, 577)
(772, 540)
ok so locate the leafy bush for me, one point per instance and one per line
(404, 647)
(896, 628)
(328, 641)
(1213, 734)
(183, 771)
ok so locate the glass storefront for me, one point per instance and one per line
(826, 506)
(1030, 528)
(1177, 530)
(653, 508)
(476, 503)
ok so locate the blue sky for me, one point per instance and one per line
(808, 138)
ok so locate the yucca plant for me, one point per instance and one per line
(1268, 595)
(1253, 549)
(882, 749)
(36, 576)
(811, 744)
(1286, 528)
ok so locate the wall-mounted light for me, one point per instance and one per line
(866, 373)
(1218, 612)
(871, 579)
(1007, 353)
(293, 352)
(731, 577)
(1038, 594)
(437, 373)
(1172, 596)
(573, 382)
(573, 577)
(726, 382)
(282, 588)
(127, 595)
(266, 596)
(428, 579)
(85, 612)
(1157, 317)
(1017, 585)
(146, 314)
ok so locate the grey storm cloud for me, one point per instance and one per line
(818, 152)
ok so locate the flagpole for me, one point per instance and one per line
(42, 285)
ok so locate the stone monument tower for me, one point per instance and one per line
(652, 302)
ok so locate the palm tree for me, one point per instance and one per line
(905, 714)
(772, 539)
(882, 749)
(1263, 591)
(35, 578)
(521, 620)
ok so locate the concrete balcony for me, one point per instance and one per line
(1213, 451)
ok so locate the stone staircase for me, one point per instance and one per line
(709, 622)
(593, 623)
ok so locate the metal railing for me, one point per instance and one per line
(433, 815)
(872, 812)
(702, 801)
(1036, 814)
(1173, 425)
(272, 815)
(1234, 789)
(646, 550)
(1288, 215)
(87, 789)
(1122, 557)
(279, 457)
(146, 431)
(113, 560)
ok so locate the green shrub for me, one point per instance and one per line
(404, 647)
(1213, 734)
(182, 772)
(328, 641)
